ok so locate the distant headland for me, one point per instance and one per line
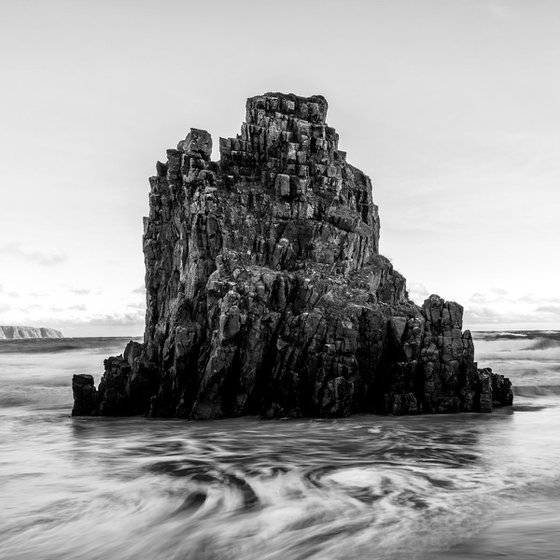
(12, 332)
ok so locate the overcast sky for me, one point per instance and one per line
(451, 106)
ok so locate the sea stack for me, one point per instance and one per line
(267, 295)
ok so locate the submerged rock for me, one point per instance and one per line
(266, 292)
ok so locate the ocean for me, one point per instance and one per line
(366, 487)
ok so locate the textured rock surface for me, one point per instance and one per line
(13, 332)
(266, 292)
(85, 395)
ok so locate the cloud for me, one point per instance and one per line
(533, 298)
(139, 290)
(499, 11)
(79, 292)
(58, 319)
(493, 307)
(489, 316)
(8, 293)
(482, 315)
(58, 309)
(549, 309)
(32, 307)
(129, 316)
(417, 292)
(493, 297)
(121, 320)
(36, 257)
(400, 227)
(499, 291)
(478, 298)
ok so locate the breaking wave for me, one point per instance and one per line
(55, 345)
(528, 358)
(536, 390)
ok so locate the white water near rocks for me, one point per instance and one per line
(450, 486)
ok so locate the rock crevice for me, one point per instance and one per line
(266, 292)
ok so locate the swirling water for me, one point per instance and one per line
(448, 486)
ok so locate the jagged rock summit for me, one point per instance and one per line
(266, 292)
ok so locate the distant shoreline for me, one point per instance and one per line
(16, 332)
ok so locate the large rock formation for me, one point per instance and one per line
(14, 332)
(266, 292)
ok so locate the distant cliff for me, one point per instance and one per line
(12, 332)
(266, 292)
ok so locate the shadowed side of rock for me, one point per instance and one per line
(85, 395)
(266, 292)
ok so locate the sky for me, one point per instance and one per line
(450, 106)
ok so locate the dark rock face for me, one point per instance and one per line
(85, 395)
(266, 292)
